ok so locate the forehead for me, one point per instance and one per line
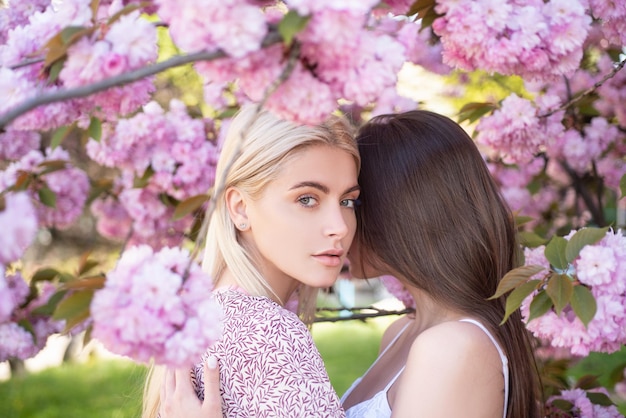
(319, 162)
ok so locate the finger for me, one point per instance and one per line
(169, 383)
(167, 390)
(212, 398)
(183, 380)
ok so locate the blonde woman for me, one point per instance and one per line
(283, 226)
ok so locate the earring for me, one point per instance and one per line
(243, 225)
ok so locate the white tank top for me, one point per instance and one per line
(378, 406)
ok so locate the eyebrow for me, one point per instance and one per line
(321, 187)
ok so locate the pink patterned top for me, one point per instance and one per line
(269, 365)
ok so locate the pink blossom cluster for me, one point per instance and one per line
(613, 17)
(138, 216)
(602, 268)
(172, 145)
(152, 221)
(18, 221)
(69, 185)
(17, 13)
(339, 48)
(15, 340)
(236, 27)
(15, 144)
(516, 132)
(171, 320)
(582, 149)
(172, 151)
(126, 44)
(398, 290)
(582, 405)
(530, 38)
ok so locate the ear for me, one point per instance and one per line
(236, 204)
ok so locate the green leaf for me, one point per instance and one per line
(95, 129)
(599, 398)
(189, 205)
(47, 196)
(26, 324)
(44, 274)
(474, 111)
(617, 374)
(555, 252)
(560, 290)
(584, 304)
(522, 220)
(87, 335)
(55, 70)
(86, 266)
(73, 306)
(585, 236)
(23, 181)
(420, 8)
(587, 382)
(622, 186)
(530, 239)
(515, 278)
(290, 25)
(71, 34)
(48, 308)
(51, 166)
(517, 296)
(142, 181)
(539, 305)
(59, 136)
(562, 404)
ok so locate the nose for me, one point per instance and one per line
(337, 223)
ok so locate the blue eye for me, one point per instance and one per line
(350, 203)
(307, 201)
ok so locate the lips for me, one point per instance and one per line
(330, 258)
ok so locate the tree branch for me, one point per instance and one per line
(271, 38)
(356, 313)
(587, 92)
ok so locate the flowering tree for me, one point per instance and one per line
(87, 70)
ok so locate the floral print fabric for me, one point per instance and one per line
(269, 365)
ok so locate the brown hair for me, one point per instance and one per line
(432, 211)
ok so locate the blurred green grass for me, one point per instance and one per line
(96, 389)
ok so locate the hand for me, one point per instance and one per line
(179, 400)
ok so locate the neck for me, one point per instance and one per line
(429, 312)
(279, 294)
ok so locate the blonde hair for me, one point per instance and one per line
(264, 143)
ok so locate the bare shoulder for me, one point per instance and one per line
(453, 369)
(454, 336)
(462, 346)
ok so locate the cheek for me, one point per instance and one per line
(350, 220)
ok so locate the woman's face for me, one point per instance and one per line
(304, 222)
